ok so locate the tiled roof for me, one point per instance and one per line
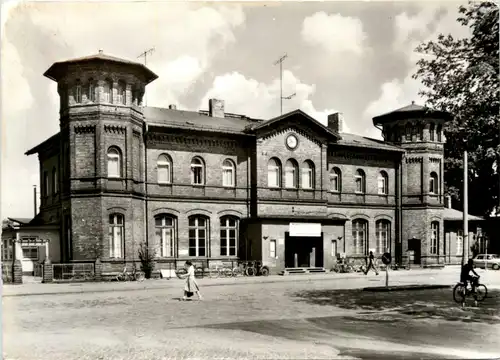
(196, 121)
(365, 142)
(403, 113)
(452, 214)
(54, 71)
(37, 148)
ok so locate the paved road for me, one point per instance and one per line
(277, 319)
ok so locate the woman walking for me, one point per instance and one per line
(191, 285)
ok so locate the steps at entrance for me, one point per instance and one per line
(296, 271)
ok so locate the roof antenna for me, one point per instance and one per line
(145, 54)
(280, 62)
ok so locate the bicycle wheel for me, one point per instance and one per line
(249, 271)
(213, 273)
(481, 292)
(459, 293)
(140, 276)
(236, 271)
(227, 272)
(264, 271)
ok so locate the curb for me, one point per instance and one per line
(405, 288)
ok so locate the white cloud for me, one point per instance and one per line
(334, 33)
(410, 31)
(261, 100)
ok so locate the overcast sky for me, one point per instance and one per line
(353, 57)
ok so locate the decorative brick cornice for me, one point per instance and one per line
(155, 138)
(136, 133)
(115, 129)
(353, 155)
(435, 160)
(309, 135)
(84, 129)
(413, 160)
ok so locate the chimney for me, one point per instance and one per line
(335, 122)
(100, 51)
(447, 200)
(172, 107)
(216, 108)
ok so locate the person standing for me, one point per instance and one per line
(371, 264)
(191, 285)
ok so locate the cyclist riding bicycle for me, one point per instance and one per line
(465, 275)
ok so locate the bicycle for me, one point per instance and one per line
(133, 275)
(461, 291)
(240, 269)
(218, 271)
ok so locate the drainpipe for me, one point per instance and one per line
(146, 225)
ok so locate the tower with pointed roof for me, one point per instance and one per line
(419, 131)
(101, 148)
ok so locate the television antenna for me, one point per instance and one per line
(280, 62)
(145, 55)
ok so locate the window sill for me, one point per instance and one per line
(198, 185)
(164, 183)
(228, 186)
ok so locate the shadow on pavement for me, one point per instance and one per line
(418, 304)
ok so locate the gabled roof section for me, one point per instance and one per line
(193, 120)
(296, 113)
(365, 142)
(412, 110)
(46, 143)
(59, 68)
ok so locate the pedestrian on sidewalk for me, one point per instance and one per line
(371, 264)
(191, 285)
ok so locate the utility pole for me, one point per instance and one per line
(465, 255)
(280, 62)
(145, 55)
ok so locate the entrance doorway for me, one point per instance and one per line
(302, 251)
(415, 246)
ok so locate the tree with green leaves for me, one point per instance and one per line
(461, 76)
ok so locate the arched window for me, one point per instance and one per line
(383, 236)
(335, 180)
(114, 163)
(360, 181)
(198, 236)
(228, 235)
(308, 175)
(91, 96)
(116, 236)
(433, 184)
(383, 183)
(108, 91)
(432, 130)
(439, 131)
(408, 130)
(359, 236)
(164, 169)
(78, 92)
(434, 238)
(54, 181)
(121, 95)
(165, 227)
(197, 171)
(228, 173)
(273, 173)
(291, 174)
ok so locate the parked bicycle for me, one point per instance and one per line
(133, 275)
(255, 268)
(463, 290)
(220, 271)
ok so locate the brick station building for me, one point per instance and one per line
(210, 185)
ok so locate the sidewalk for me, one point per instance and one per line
(33, 288)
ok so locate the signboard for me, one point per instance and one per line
(183, 252)
(305, 229)
(386, 258)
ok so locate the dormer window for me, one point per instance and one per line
(78, 92)
(92, 90)
(122, 97)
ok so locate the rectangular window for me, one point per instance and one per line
(382, 235)
(434, 238)
(334, 248)
(334, 183)
(359, 235)
(78, 94)
(227, 177)
(113, 166)
(197, 175)
(272, 249)
(30, 253)
(290, 178)
(307, 179)
(46, 184)
(164, 173)
(116, 236)
(228, 236)
(197, 237)
(460, 242)
(7, 250)
(359, 184)
(381, 186)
